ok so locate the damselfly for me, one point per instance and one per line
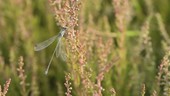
(58, 49)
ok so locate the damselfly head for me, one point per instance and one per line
(63, 28)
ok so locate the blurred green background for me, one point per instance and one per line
(24, 23)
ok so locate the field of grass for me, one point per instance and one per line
(110, 48)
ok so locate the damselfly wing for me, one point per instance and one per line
(45, 43)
